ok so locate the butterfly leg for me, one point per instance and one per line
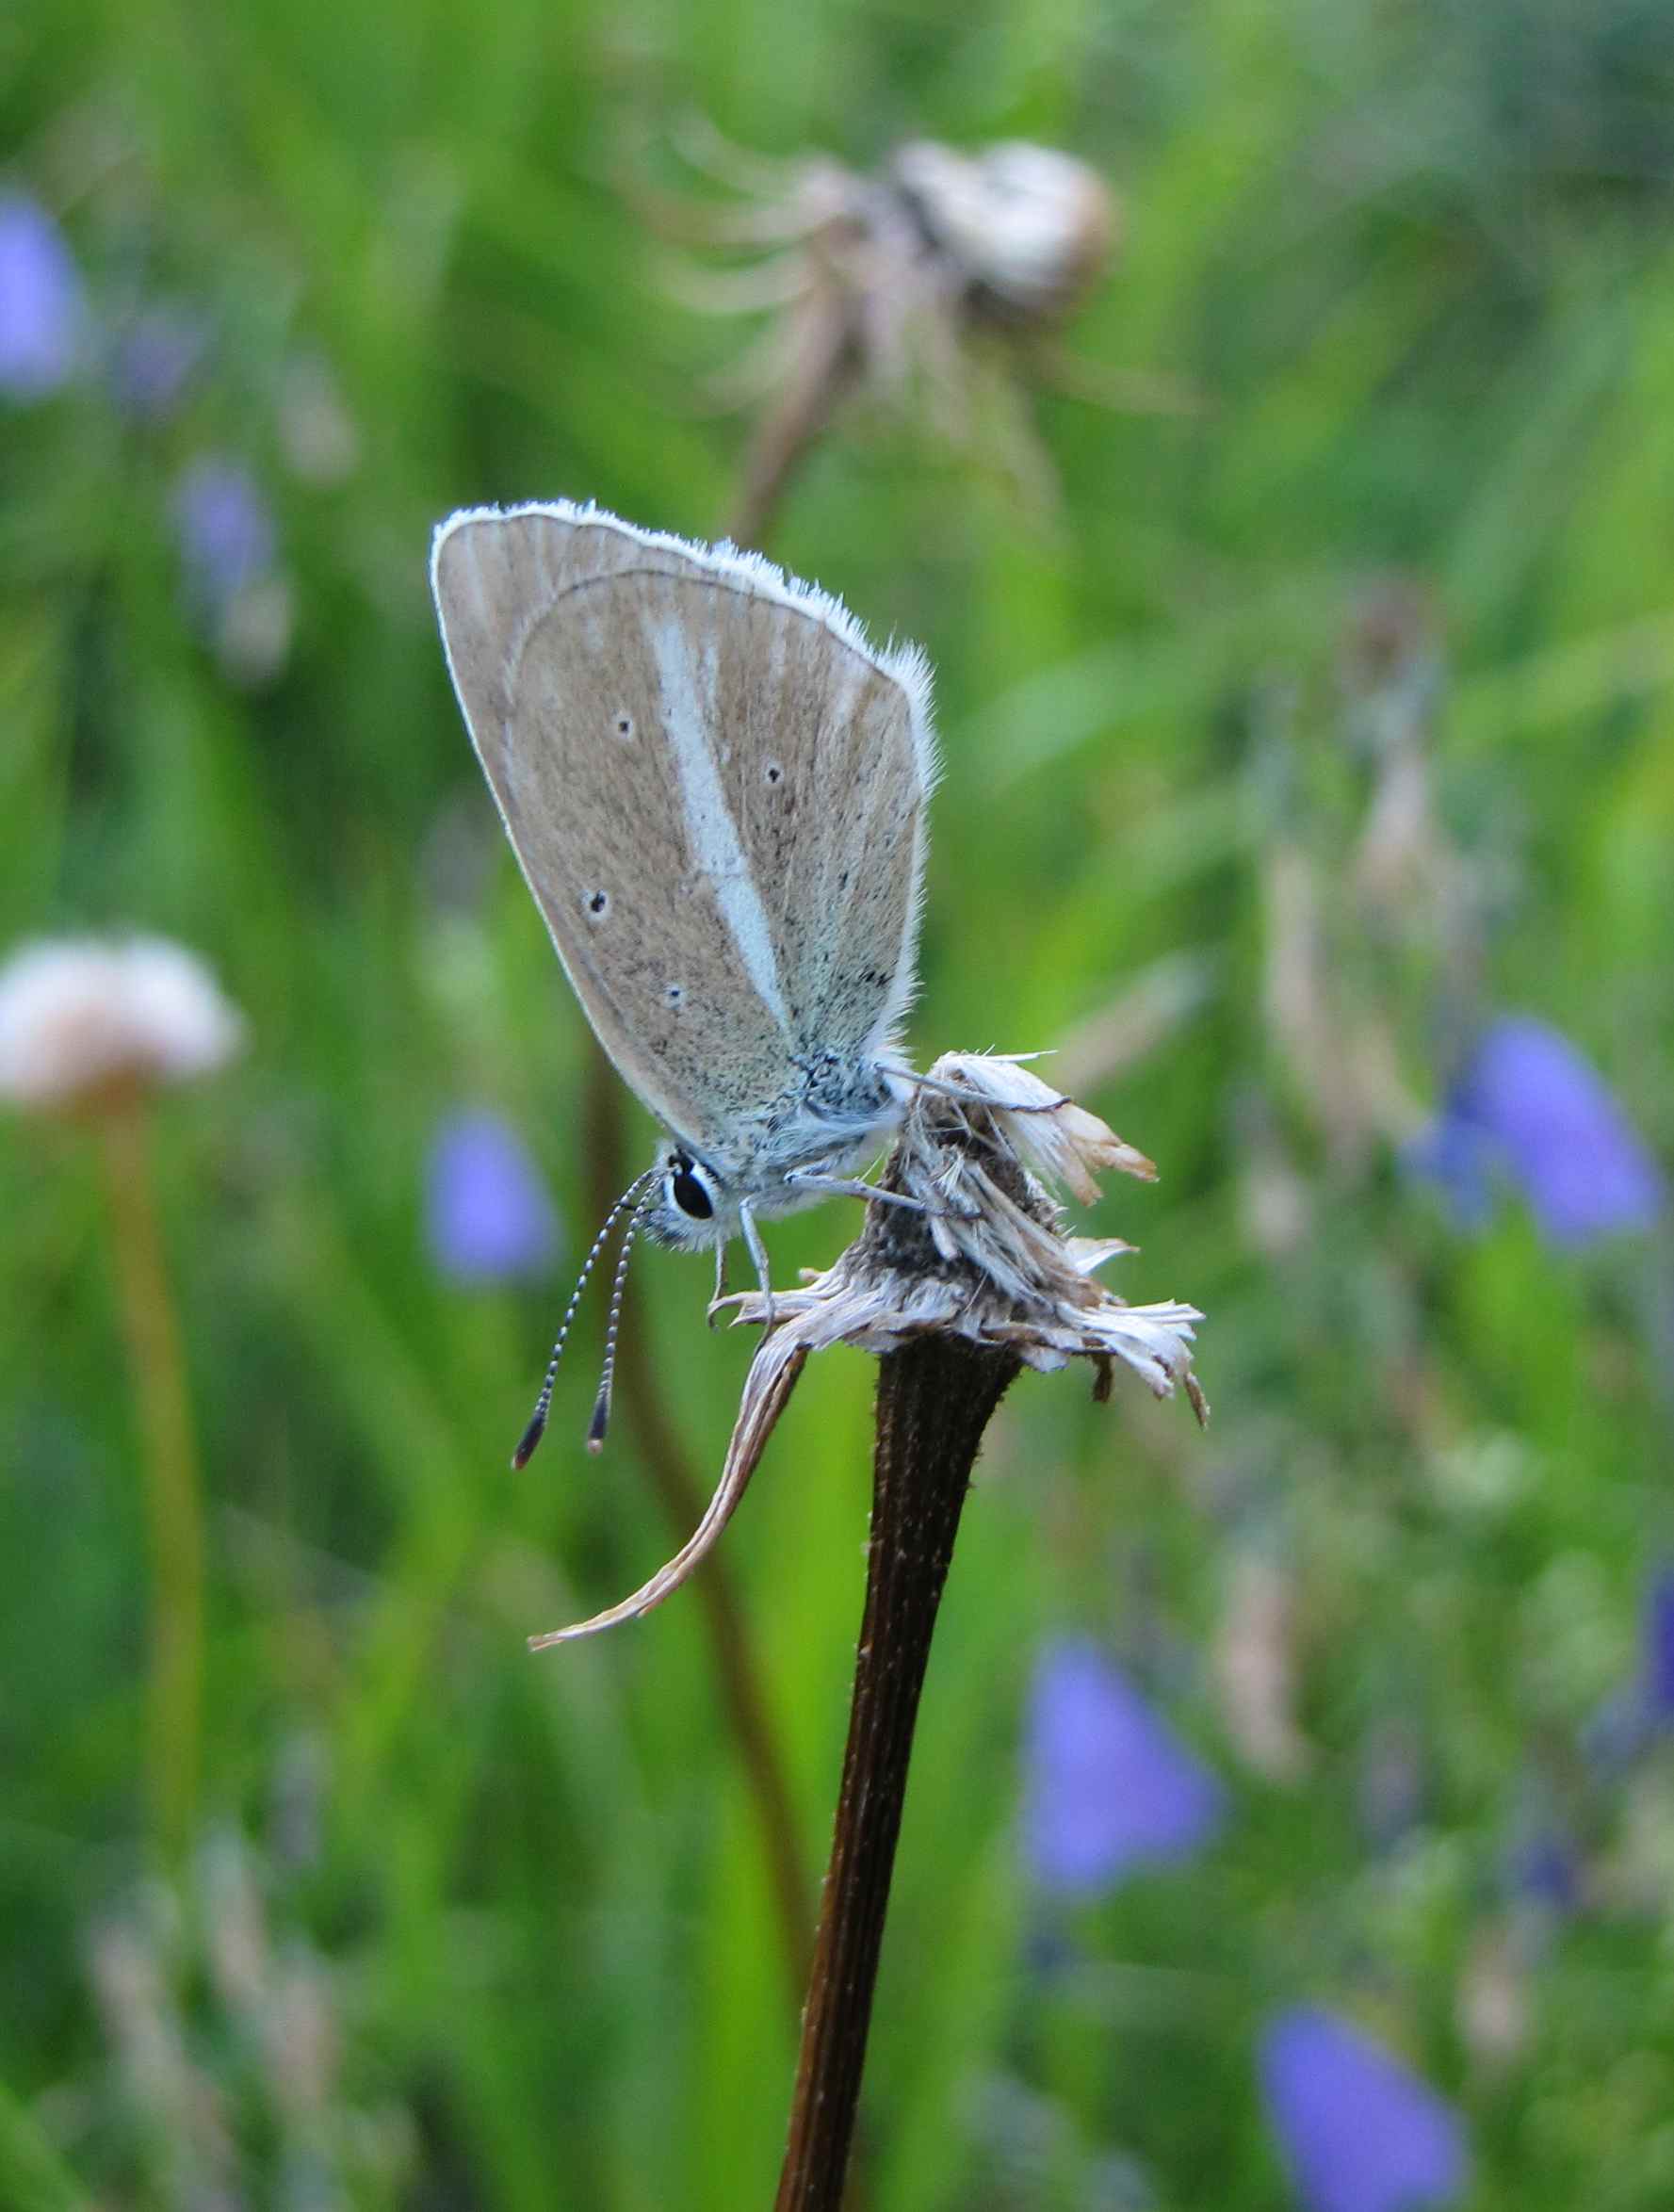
(852, 1186)
(849, 1187)
(967, 1098)
(758, 1253)
(720, 1281)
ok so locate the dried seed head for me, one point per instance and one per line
(1031, 229)
(883, 286)
(986, 1259)
(977, 1252)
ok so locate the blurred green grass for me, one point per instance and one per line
(1418, 258)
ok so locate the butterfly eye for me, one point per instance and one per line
(688, 1193)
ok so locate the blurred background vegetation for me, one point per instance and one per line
(1317, 722)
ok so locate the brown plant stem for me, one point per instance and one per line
(156, 1361)
(934, 1400)
(735, 1667)
(787, 430)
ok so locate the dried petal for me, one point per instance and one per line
(772, 1379)
(1057, 1138)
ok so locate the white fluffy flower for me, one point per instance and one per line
(85, 1023)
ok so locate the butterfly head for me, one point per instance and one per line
(694, 1207)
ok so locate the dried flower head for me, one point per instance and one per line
(986, 1258)
(884, 283)
(86, 1025)
(1028, 229)
(966, 1243)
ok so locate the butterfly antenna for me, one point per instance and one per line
(601, 1404)
(537, 1427)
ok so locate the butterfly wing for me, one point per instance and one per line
(715, 789)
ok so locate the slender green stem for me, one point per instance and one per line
(156, 1361)
(33, 2177)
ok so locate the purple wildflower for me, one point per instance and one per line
(1358, 2132)
(1659, 1651)
(42, 312)
(1107, 1784)
(487, 1212)
(1526, 1103)
(153, 361)
(1638, 1712)
(227, 538)
(1620, 1733)
(1544, 1870)
(1391, 1785)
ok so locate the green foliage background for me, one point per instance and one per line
(1418, 258)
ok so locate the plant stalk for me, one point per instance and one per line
(173, 1506)
(934, 1401)
(788, 430)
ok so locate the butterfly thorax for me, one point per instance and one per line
(824, 1128)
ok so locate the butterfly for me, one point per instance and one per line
(716, 788)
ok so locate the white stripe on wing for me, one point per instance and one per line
(689, 716)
